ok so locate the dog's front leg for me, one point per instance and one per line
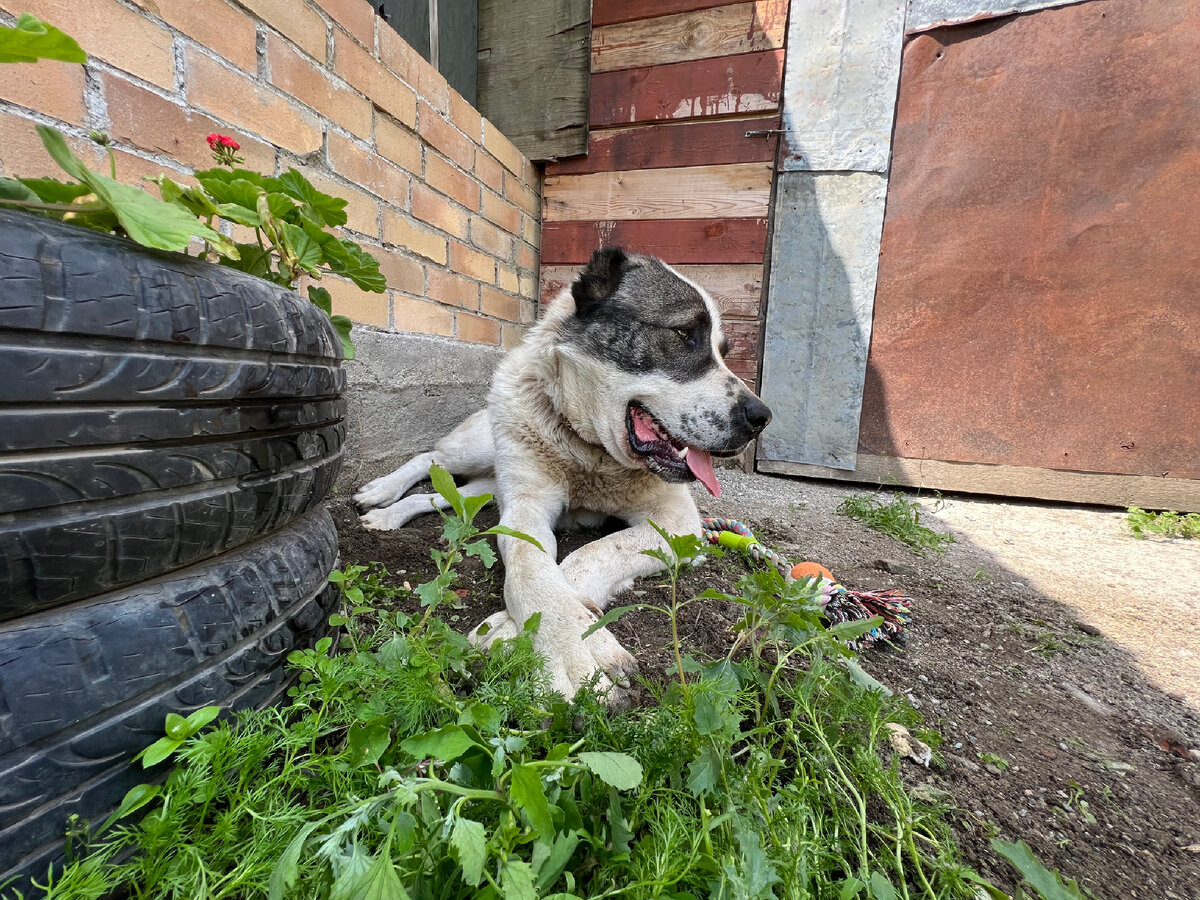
(534, 584)
(606, 567)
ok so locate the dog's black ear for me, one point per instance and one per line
(599, 278)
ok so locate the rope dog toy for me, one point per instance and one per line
(839, 603)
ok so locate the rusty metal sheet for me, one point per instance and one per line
(1037, 300)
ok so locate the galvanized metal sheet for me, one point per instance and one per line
(825, 253)
(925, 14)
(843, 64)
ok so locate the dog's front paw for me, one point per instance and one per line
(381, 492)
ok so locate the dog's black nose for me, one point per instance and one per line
(754, 414)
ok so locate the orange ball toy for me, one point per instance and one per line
(811, 570)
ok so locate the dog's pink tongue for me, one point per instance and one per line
(701, 464)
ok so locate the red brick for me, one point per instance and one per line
(501, 212)
(50, 87)
(418, 315)
(527, 257)
(403, 273)
(439, 212)
(453, 290)
(397, 143)
(216, 25)
(511, 336)
(112, 32)
(489, 238)
(356, 16)
(372, 78)
(444, 136)
(397, 54)
(145, 120)
(525, 197)
(489, 171)
(131, 168)
(443, 177)
(507, 279)
(400, 231)
(356, 304)
(362, 166)
(478, 330)
(466, 117)
(311, 84)
(244, 103)
(499, 304)
(528, 285)
(22, 153)
(466, 261)
(296, 20)
(531, 230)
(503, 149)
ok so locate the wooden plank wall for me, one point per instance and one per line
(675, 86)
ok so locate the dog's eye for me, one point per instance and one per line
(688, 335)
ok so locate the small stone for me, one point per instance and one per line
(893, 567)
(1089, 628)
(992, 768)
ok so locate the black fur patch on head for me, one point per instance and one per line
(637, 314)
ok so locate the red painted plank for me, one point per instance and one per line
(726, 85)
(674, 144)
(674, 240)
(610, 12)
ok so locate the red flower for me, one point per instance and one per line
(220, 140)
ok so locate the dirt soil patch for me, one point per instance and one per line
(1057, 728)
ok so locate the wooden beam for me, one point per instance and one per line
(608, 12)
(724, 86)
(534, 73)
(674, 145)
(699, 34)
(1148, 492)
(674, 240)
(700, 192)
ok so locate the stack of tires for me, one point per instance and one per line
(168, 430)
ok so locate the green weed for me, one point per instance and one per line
(899, 518)
(413, 765)
(1168, 524)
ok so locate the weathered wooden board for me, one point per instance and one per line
(727, 85)
(840, 85)
(824, 254)
(926, 14)
(1037, 302)
(700, 34)
(673, 144)
(736, 288)
(609, 12)
(699, 192)
(1148, 492)
(534, 73)
(674, 240)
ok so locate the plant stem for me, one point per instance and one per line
(55, 207)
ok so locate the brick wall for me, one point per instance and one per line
(447, 203)
(675, 86)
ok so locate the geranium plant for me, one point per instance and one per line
(289, 217)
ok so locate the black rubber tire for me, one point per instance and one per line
(155, 411)
(86, 687)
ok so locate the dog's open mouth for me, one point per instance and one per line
(667, 457)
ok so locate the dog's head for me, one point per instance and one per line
(643, 370)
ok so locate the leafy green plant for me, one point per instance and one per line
(289, 217)
(1169, 524)
(899, 518)
(1048, 885)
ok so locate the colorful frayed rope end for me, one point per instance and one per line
(840, 604)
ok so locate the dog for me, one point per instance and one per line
(616, 400)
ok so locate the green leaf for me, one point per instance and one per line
(483, 550)
(853, 628)
(850, 888)
(513, 533)
(235, 212)
(307, 251)
(253, 259)
(620, 770)
(560, 854)
(323, 208)
(881, 888)
(530, 797)
(443, 483)
(349, 260)
(486, 718)
(1048, 884)
(862, 677)
(34, 39)
(343, 326)
(468, 846)
(201, 717)
(159, 750)
(176, 727)
(283, 876)
(135, 798)
(611, 616)
(321, 299)
(447, 744)
(516, 881)
(472, 505)
(378, 882)
(51, 190)
(704, 772)
(366, 743)
(149, 221)
(12, 189)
